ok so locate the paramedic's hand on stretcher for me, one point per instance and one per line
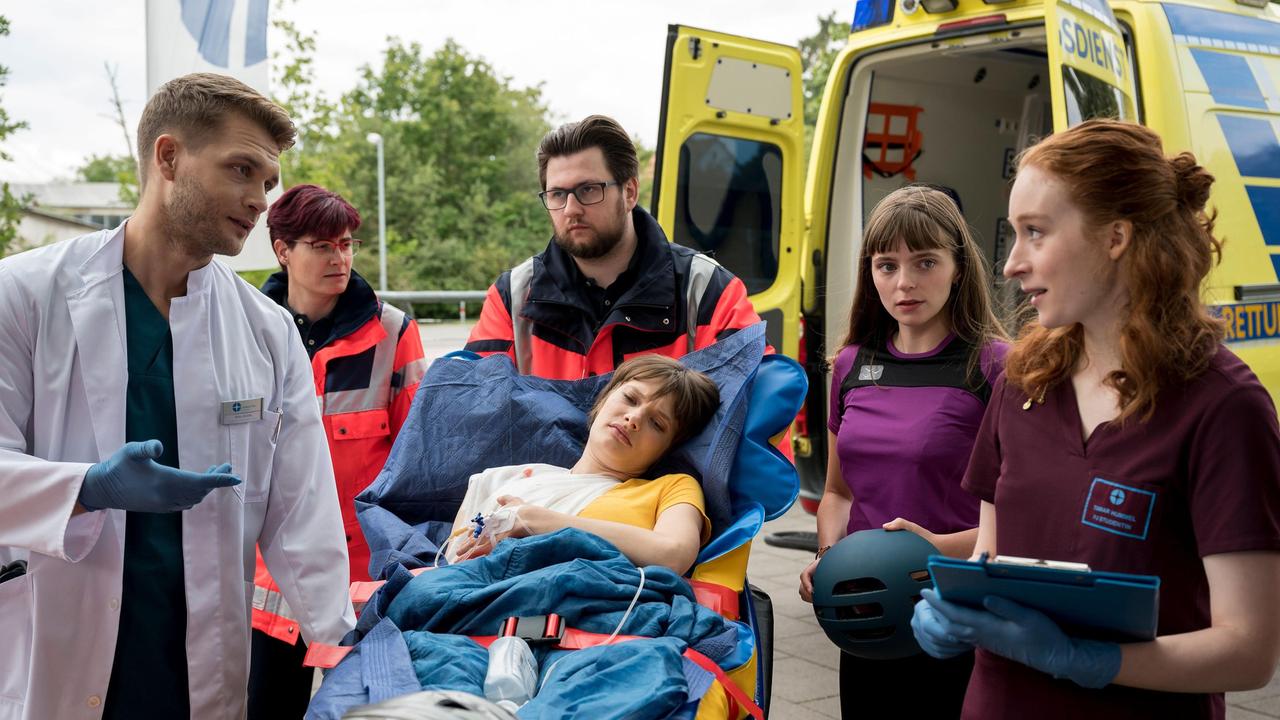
(471, 546)
(1017, 633)
(131, 479)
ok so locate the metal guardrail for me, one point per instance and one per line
(404, 298)
(433, 296)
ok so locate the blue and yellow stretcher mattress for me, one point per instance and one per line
(473, 414)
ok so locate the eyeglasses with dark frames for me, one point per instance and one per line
(588, 193)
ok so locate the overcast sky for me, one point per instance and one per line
(56, 50)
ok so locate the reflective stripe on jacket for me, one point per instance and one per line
(678, 301)
(365, 382)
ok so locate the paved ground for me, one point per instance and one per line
(441, 338)
(805, 685)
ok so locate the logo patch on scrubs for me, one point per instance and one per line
(1119, 509)
(870, 372)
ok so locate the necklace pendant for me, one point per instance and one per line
(1027, 405)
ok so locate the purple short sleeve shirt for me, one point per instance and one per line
(1201, 477)
(904, 439)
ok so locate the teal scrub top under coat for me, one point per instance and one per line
(149, 674)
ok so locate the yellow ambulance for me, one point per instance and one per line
(949, 92)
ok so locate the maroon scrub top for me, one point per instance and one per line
(1201, 477)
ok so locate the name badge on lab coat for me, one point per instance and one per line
(235, 412)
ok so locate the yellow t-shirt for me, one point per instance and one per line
(639, 502)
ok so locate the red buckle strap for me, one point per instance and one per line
(716, 597)
(361, 591)
(325, 656)
(738, 699)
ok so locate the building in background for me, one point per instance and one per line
(62, 210)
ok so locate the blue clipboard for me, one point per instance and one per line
(1114, 606)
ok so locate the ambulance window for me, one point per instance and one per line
(1089, 97)
(728, 204)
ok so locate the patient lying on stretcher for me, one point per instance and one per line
(652, 404)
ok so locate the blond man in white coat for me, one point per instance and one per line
(135, 601)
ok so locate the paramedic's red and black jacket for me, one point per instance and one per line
(669, 301)
(366, 360)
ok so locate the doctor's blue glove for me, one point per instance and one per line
(1031, 638)
(131, 479)
(935, 633)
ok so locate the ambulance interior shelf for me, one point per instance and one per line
(893, 139)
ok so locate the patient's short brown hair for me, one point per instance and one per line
(695, 396)
(193, 108)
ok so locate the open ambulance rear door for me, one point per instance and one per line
(1088, 64)
(728, 179)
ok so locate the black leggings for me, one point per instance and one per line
(279, 686)
(914, 687)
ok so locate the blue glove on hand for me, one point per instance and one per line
(934, 632)
(131, 479)
(1026, 636)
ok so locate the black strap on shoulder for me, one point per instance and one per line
(949, 368)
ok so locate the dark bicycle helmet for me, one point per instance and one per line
(865, 589)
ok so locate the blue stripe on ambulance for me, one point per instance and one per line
(1239, 82)
(1266, 206)
(1198, 26)
(1230, 79)
(1253, 144)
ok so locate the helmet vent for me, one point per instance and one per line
(858, 586)
(920, 576)
(878, 633)
(861, 611)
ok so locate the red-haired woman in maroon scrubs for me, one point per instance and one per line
(1124, 436)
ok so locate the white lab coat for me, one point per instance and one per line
(63, 377)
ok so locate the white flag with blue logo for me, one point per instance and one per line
(221, 36)
(218, 36)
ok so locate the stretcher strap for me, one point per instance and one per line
(325, 656)
(716, 597)
(579, 639)
(361, 591)
(738, 699)
(575, 639)
(328, 656)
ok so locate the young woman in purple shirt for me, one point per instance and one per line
(1126, 437)
(909, 388)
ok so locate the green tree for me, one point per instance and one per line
(459, 140)
(122, 169)
(105, 168)
(646, 157)
(10, 206)
(817, 53)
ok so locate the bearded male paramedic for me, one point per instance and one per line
(609, 285)
(157, 419)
